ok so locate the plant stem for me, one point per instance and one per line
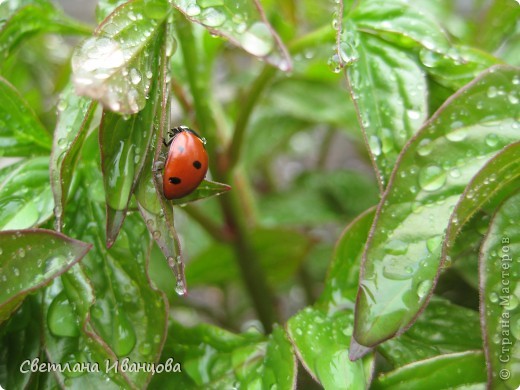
(214, 230)
(246, 255)
(259, 85)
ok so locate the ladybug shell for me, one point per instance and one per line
(186, 165)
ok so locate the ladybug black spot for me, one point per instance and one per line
(197, 164)
(174, 180)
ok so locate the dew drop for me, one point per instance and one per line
(432, 178)
(425, 147)
(375, 145)
(492, 139)
(423, 288)
(257, 39)
(193, 10)
(135, 76)
(212, 17)
(397, 273)
(492, 92)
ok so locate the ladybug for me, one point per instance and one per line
(186, 164)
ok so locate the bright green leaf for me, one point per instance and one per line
(25, 195)
(343, 275)
(442, 328)
(206, 189)
(322, 343)
(243, 23)
(403, 254)
(30, 260)
(451, 371)
(116, 65)
(389, 91)
(500, 295)
(401, 23)
(21, 132)
(75, 114)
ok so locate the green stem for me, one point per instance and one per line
(246, 255)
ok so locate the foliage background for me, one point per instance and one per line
(372, 136)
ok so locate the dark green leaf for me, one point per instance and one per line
(21, 132)
(25, 195)
(402, 256)
(322, 343)
(389, 91)
(211, 357)
(442, 328)
(116, 66)
(500, 295)
(457, 370)
(30, 260)
(243, 23)
(20, 342)
(31, 19)
(75, 114)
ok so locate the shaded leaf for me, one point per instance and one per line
(243, 23)
(321, 341)
(21, 132)
(25, 195)
(75, 115)
(212, 357)
(403, 255)
(500, 295)
(497, 25)
(456, 370)
(115, 66)
(30, 260)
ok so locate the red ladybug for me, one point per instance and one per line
(186, 164)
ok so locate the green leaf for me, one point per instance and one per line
(401, 260)
(25, 195)
(211, 357)
(401, 23)
(31, 19)
(281, 252)
(75, 115)
(21, 132)
(500, 295)
(321, 342)
(318, 197)
(441, 329)
(311, 100)
(243, 23)
(206, 189)
(20, 342)
(343, 275)
(389, 91)
(116, 66)
(498, 24)
(454, 71)
(451, 371)
(127, 317)
(30, 260)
